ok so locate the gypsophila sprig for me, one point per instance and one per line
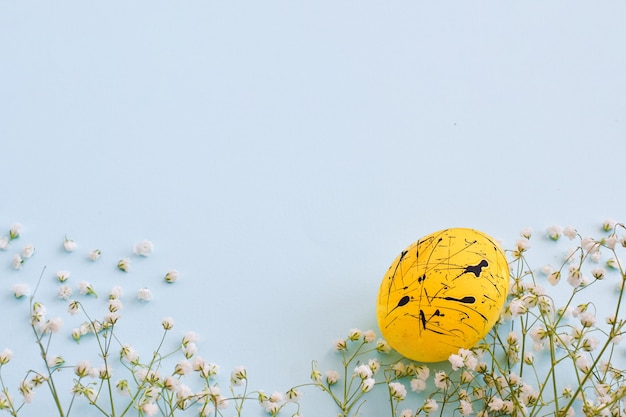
(555, 351)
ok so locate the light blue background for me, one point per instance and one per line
(280, 154)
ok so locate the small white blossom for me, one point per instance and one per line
(190, 349)
(587, 319)
(144, 294)
(526, 232)
(17, 261)
(73, 307)
(69, 245)
(52, 325)
(418, 385)
(341, 344)
(238, 376)
(28, 251)
(522, 245)
(62, 275)
(608, 225)
(397, 390)
(168, 323)
(354, 334)
(332, 377)
(94, 255)
(65, 292)
(554, 232)
(116, 293)
(554, 277)
(547, 270)
(85, 288)
(363, 371)
(171, 276)
(184, 367)
(21, 290)
(598, 273)
(442, 381)
(15, 231)
(367, 384)
(5, 356)
(407, 412)
(582, 362)
(570, 232)
(4, 243)
(124, 264)
(143, 248)
(150, 409)
(369, 336)
(430, 406)
(465, 407)
(496, 404)
(190, 337)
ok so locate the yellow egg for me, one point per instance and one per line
(442, 293)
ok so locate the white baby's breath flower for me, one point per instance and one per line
(5, 356)
(418, 385)
(430, 406)
(608, 225)
(238, 376)
(116, 293)
(341, 344)
(85, 288)
(369, 336)
(21, 290)
(65, 292)
(17, 261)
(554, 232)
(15, 231)
(547, 270)
(332, 377)
(363, 371)
(28, 251)
(382, 346)
(367, 384)
(168, 323)
(354, 334)
(190, 349)
(69, 245)
(526, 232)
(183, 368)
(189, 337)
(397, 390)
(522, 245)
(62, 275)
(171, 276)
(124, 264)
(554, 277)
(129, 353)
(496, 404)
(53, 325)
(570, 232)
(115, 304)
(94, 255)
(143, 248)
(465, 407)
(582, 362)
(598, 273)
(4, 243)
(144, 294)
(73, 307)
(150, 409)
(442, 381)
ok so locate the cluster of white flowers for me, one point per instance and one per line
(548, 333)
